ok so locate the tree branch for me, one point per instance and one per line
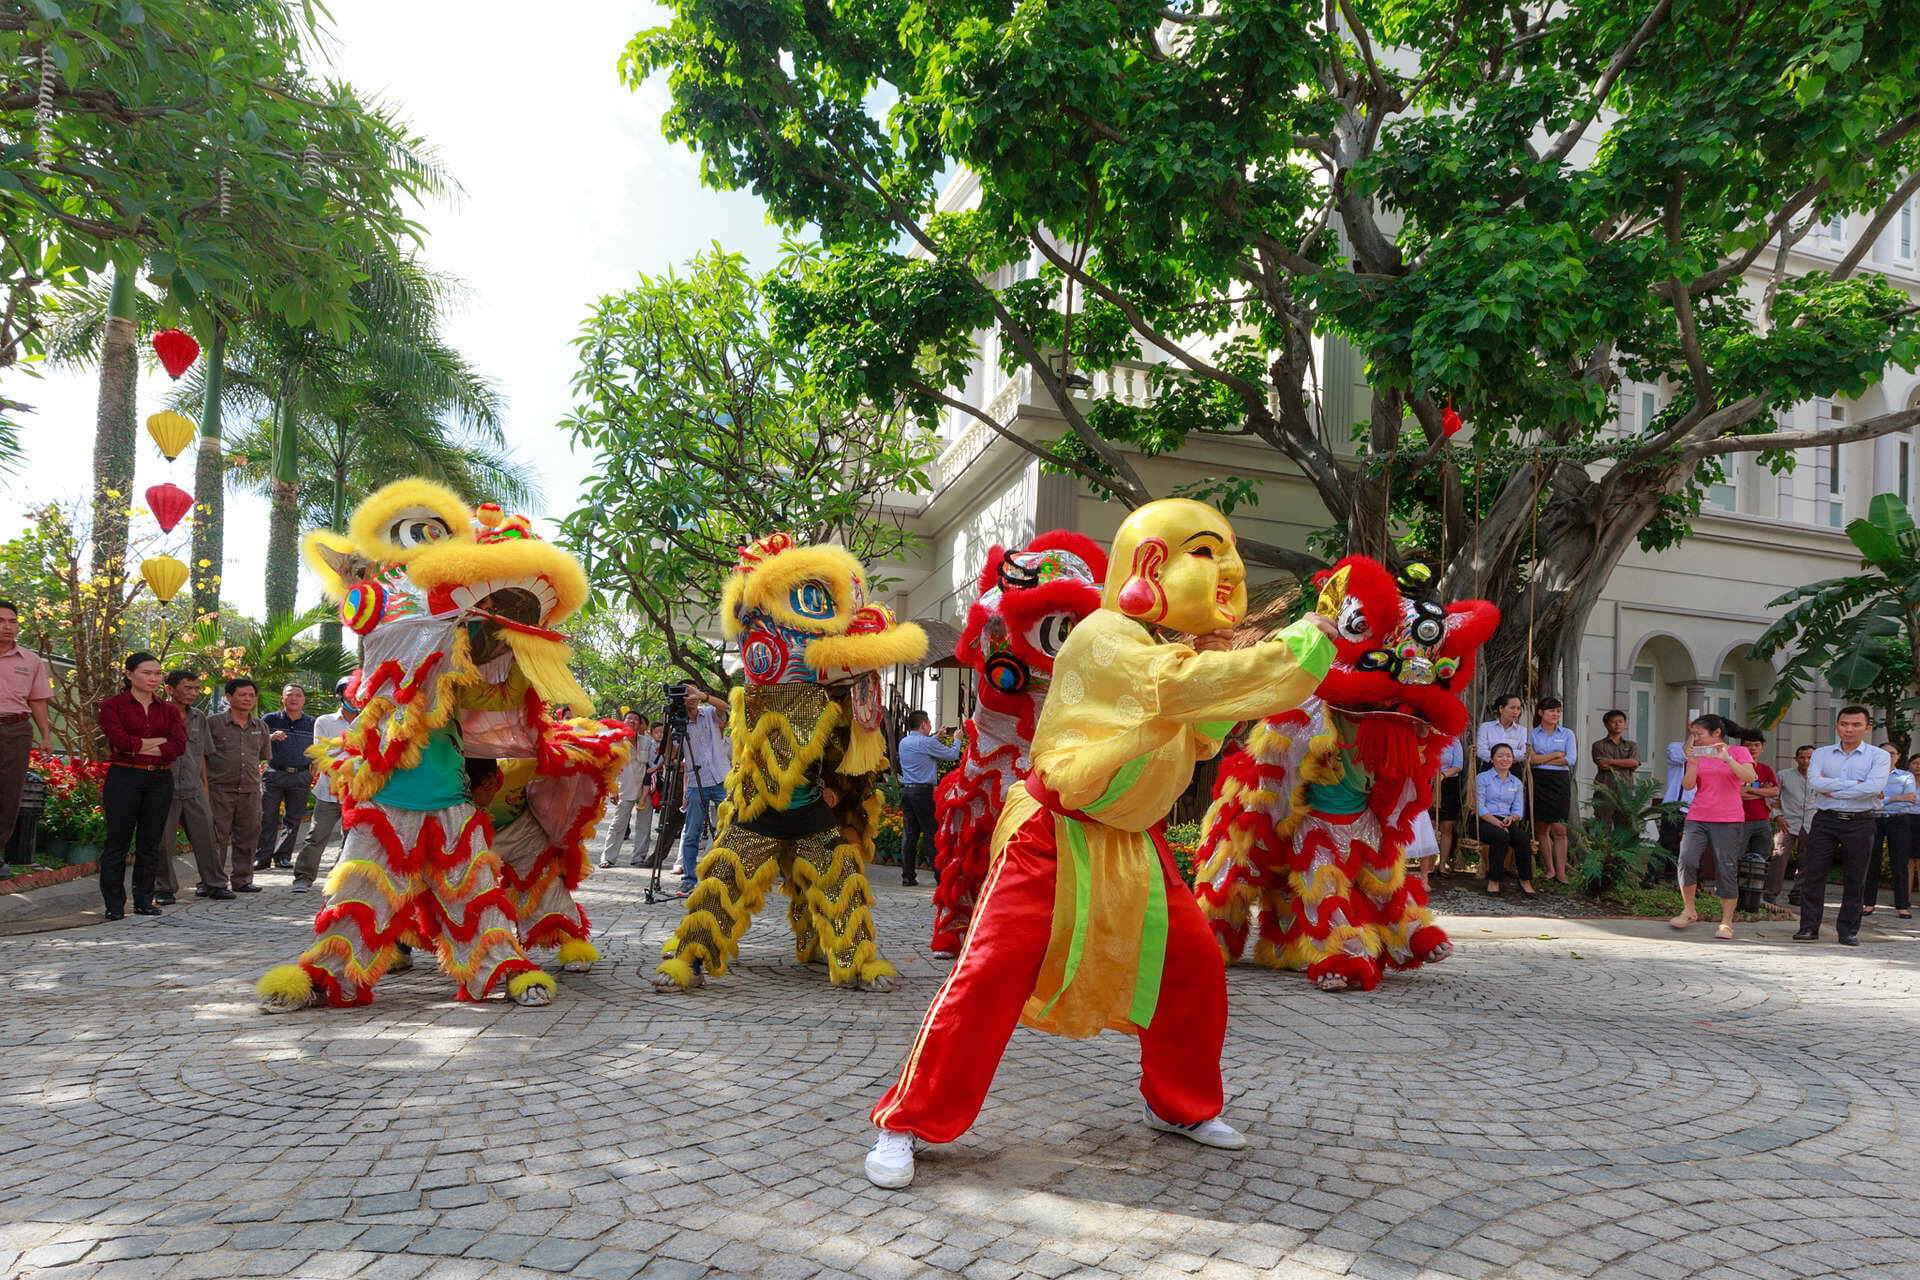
(1570, 137)
(1866, 429)
(1886, 214)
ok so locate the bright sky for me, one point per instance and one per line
(569, 191)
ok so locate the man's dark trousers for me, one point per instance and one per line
(1834, 837)
(283, 807)
(916, 829)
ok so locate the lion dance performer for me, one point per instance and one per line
(1029, 601)
(1084, 923)
(457, 658)
(1312, 820)
(802, 799)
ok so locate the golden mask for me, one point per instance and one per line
(1176, 565)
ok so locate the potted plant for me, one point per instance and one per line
(75, 822)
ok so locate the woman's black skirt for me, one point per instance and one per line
(1450, 799)
(1552, 795)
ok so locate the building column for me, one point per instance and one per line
(1051, 500)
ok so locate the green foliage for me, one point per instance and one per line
(621, 663)
(193, 137)
(709, 431)
(1613, 852)
(1143, 179)
(1860, 632)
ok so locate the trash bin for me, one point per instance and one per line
(1753, 881)
(25, 840)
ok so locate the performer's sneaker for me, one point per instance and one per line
(301, 886)
(1208, 1133)
(890, 1163)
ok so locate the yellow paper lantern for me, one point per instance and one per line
(172, 432)
(165, 575)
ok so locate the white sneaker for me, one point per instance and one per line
(1208, 1133)
(890, 1163)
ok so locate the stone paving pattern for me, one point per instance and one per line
(1634, 1106)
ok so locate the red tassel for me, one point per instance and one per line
(1449, 420)
(177, 351)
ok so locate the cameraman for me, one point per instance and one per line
(706, 774)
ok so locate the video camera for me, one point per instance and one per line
(676, 713)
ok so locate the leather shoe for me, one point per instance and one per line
(199, 891)
(246, 888)
(220, 895)
(163, 899)
(1807, 935)
(1849, 941)
(261, 864)
(116, 915)
(148, 910)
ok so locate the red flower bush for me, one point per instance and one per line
(73, 798)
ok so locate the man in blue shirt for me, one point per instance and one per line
(289, 778)
(920, 756)
(1845, 781)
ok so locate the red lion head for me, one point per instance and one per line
(1029, 600)
(1399, 651)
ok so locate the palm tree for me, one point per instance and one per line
(332, 419)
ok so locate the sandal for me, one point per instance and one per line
(1724, 933)
(1684, 919)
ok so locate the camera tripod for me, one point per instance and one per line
(673, 802)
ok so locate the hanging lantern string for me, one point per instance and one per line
(43, 113)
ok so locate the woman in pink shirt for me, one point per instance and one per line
(1716, 771)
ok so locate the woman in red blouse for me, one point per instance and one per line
(146, 733)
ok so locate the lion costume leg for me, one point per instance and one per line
(1327, 933)
(398, 881)
(827, 871)
(734, 879)
(1403, 931)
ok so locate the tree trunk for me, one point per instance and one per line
(330, 630)
(113, 431)
(283, 528)
(210, 484)
(283, 549)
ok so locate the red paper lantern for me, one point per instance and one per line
(1449, 420)
(177, 351)
(168, 502)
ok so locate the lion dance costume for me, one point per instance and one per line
(453, 610)
(802, 800)
(1030, 600)
(1084, 923)
(1311, 821)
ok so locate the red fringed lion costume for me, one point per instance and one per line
(1030, 599)
(1310, 821)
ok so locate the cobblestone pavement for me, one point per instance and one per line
(1608, 1101)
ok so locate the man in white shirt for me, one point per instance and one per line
(634, 814)
(326, 810)
(1790, 821)
(706, 776)
(1845, 781)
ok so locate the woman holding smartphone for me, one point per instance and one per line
(1716, 771)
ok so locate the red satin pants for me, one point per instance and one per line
(965, 1032)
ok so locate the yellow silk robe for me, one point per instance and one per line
(1126, 719)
